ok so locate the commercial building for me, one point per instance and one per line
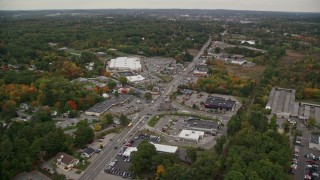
(200, 71)
(220, 103)
(165, 148)
(314, 141)
(191, 135)
(125, 64)
(281, 101)
(135, 79)
(308, 110)
(209, 127)
(102, 107)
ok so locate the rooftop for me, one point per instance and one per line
(65, 158)
(193, 122)
(220, 102)
(122, 63)
(105, 105)
(135, 78)
(190, 134)
(89, 151)
(165, 148)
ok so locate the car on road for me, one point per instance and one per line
(116, 147)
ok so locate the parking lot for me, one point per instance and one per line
(130, 107)
(307, 162)
(121, 164)
(172, 125)
(197, 99)
(158, 66)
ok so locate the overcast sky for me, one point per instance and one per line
(265, 5)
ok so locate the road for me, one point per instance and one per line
(109, 151)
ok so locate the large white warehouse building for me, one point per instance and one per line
(125, 64)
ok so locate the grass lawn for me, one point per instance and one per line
(114, 130)
(153, 121)
(165, 78)
(253, 72)
(82, 165)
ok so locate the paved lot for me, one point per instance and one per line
(122, 163)
(304, 150)
(198, 98)
(174, 125)
(130, 107)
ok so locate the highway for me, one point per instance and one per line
(109, 152)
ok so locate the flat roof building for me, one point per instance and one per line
(125, 64)
(135, 79)
(220, 103)
(200, 71)
(165, 148)
(191, 135)
(281, 101)
(314, 141)
(100, 108)
(210, 127)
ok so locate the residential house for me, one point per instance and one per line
(66, 161)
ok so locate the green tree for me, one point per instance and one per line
(112, 84)
(178, 172)
(312, 122)
(148, 95)
(273, 123)
(124, 120)
(235, 175)
(54, 142)
(84, 134)
(43, 114)
(123, 80)
(192, 154)
(259, 121)
(219, 145)
(142, 159)
(116, 94)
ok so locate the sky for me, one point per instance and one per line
(263, 5)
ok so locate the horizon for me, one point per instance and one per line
(244, 10)
(312, 6)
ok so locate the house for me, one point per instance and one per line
(66, 161)
(24, 106)
(88, 152)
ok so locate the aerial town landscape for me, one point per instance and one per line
(159, 94)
